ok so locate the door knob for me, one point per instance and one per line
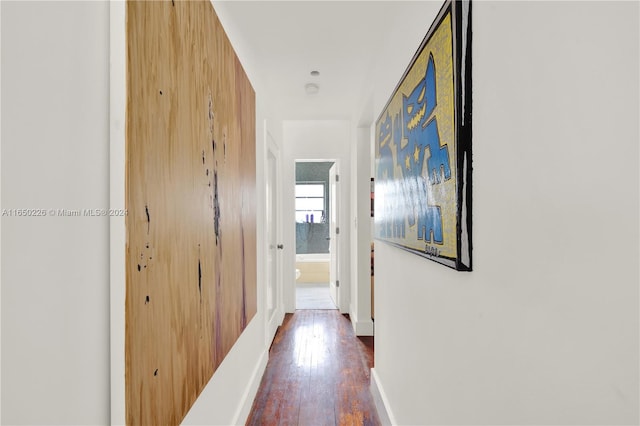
(280, 246)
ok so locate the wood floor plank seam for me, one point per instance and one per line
(318, 374)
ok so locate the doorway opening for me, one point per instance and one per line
(316, 240)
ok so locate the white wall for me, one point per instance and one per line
(117, 199)
(316, 140)
(545, 329)
(360, 309)
(55, 270)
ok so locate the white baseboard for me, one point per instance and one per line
(363, 328)
(380, 400)
(244, 408)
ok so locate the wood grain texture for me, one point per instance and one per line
(190, 194)
(318, 374)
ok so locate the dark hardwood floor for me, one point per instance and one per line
(317, 374)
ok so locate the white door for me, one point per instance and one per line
(334, 235)
(274, 291)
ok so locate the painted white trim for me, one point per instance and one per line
(117, 228)
(336, 252)
(380, 400)
(272, 323)
(361, 328)
(313, 257)
(278, 316)
(244, 407)
(0, 222)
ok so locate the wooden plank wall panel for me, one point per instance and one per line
(191, 226)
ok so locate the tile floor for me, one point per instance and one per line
(313, 296)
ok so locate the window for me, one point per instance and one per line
(310, 202)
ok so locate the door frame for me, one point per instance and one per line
(291, 291)
(334, 235)
(272, 323)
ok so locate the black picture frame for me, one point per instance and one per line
(423, 180)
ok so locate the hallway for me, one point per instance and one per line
(313, 296)
(318, 374)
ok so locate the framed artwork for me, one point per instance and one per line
(423, 147)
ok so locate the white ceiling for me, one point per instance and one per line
(289, 39)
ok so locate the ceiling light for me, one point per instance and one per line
(315, 73)
(311, 88)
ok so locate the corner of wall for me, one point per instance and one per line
(380, 400)
(362, 328)
(246, 402)
(227, 398)
(117, 228)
